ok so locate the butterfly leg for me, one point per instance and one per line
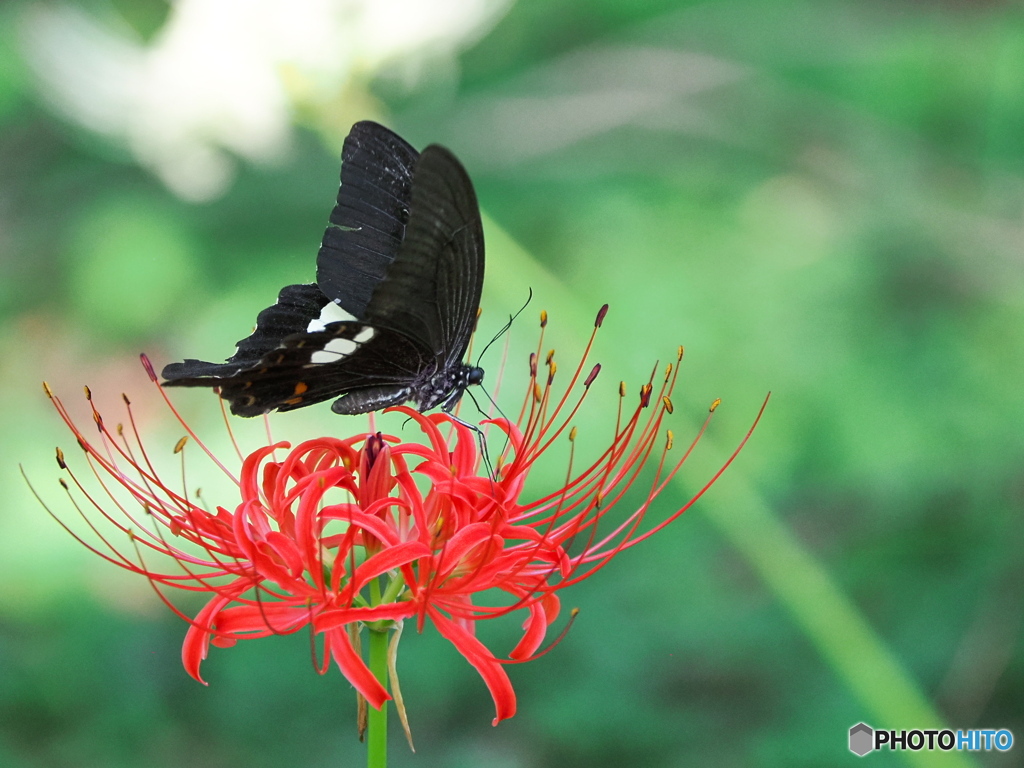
(480, 437)
(370, 399)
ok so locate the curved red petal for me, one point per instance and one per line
(477, 654)
(354, 668)
(338, 617)
(197, 639)
(535, 628)
(263, 619)
(387, 560)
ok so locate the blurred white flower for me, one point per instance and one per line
(222, 77)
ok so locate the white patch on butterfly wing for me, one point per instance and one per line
(364, 335)
(334, 350)
(331, 313)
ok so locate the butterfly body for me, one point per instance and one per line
(388, 320)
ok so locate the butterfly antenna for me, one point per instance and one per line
(493, 402)
(506, 327)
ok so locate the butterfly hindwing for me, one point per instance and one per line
(294, 376)
(296, 307)
(307, 367)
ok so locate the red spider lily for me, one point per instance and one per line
(417, 530)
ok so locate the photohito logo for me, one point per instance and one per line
(864, 739)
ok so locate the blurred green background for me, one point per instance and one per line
(820, 199)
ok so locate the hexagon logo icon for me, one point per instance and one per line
(862, 738)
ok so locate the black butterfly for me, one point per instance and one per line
(398, 283)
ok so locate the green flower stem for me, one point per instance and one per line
(377, 722)
(394, 587)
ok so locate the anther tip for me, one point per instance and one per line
(60, 459)
(47, 390)
(593, 375)
(180, 445)
(667, 403)
(600, 316)
(148, 366)
(543, 318)
(718, 402)
(645, 395)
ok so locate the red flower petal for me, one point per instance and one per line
(197, 639)
(483, 661)
(353, 667)
(339, 617)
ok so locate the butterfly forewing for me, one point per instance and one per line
(433, 288)
(288, 380)
(368, 222)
